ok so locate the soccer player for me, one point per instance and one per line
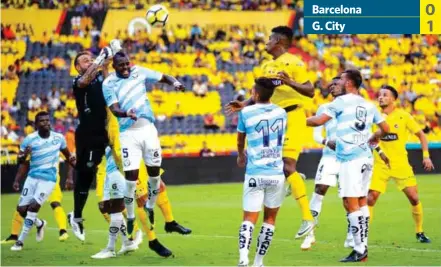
(291, 95)
(44, 148)
(125, 93)
(328, 166)
(399, 169)
(354, 117)
(91, 136)
(113, 204)
(264, 127)
(55, 202)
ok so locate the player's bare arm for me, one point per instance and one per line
(118, 112)
(241, 157)
(306, 89)
(315, 121)
(236, 105)
(383, 156)
(23, 168)
(381, 132)
(70, 167)
(170, 80)
(427, 162)
(92, 71)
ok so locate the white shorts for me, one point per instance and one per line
(354, 177)
(140, 143)
(114, 186)
(266, 190)
(327, 171)
(37, 189)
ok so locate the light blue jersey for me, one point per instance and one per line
(355, 117)
(265, 127)
(330, 129)
(110, 162)
(45, 155)
(131, 94)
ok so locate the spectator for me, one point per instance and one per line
(178, 114)
(5, 104)
(34, 102)
(200, 88)
(209, 123)
(60, 113)
(59, 126)
(179, 141)
(15, 106)
(12, 136)
(11, 73)
(29, 128)
(205, 151)
(54, 99)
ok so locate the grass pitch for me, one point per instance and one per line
(214, 214)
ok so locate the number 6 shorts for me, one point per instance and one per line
(140, 143)
(114, 186)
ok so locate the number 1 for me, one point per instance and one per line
(277, 126)
(430, 25)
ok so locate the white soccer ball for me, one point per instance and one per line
(157, 16)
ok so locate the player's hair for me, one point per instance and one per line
(82, 53)
(355, 76)
(40, 114)
(336, 78)
(118, 55)
(285, 31)
(392, 89)
(265, 87)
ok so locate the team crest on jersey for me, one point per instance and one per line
(90, 164)
(56, 140)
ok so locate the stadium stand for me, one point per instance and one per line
(217, 64)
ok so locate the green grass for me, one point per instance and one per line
(214, 213)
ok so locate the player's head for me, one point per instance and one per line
(350, 80)
(121, 64)
(264, 89)
(281, 37)
(334, 88)
(42, 121)
(82, 61)
(387, 96)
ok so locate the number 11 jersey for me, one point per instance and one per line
(355, 117)
(265, 127)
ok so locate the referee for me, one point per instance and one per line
(91, 136)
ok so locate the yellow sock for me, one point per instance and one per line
(164, 204)
(142, 215)
(106, 217)
(371, 213)
(17, 222)
(417, 213)
(60, 218)
(298, 189)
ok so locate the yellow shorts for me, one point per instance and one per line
(56, 195)
(295, 132)
(403, 177)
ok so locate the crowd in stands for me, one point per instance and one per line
(219, 64)
(99, 5)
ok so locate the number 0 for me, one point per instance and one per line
(430, 9)
(430, 25)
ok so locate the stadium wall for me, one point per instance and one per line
(223, 169)
(42, 20)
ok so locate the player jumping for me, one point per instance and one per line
(354, 117)
(291, 95)
(263, 125)
(399, 169)
(125, 94)
(44, 148)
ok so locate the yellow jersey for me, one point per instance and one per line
(284, 95)
(394, 143)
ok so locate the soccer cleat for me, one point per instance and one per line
(305, 228)
(40, 231)
(63, 235)
(127, 247)
(308, 242)
(17, 246)
(356, 256)
(138, 237)
(176, 227)
(10, 240)
(159, 248)
(104, 254)
(77, 227)
(422, 238)
(243, 264)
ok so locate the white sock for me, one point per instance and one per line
(38, 222)
(349, 235)
(357, 226)
(27, 226)
(123, 231)
(153, 186)
(315, 205)
(366, 215)
(129, 198)
(245, 237)
(263, 243)
(116, 220)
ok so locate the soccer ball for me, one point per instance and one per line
(157, 16)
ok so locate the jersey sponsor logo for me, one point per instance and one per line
(113, 229)
(366, 167)
(90, 164)
(252, 182)
(267, 182)
(390, 137)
